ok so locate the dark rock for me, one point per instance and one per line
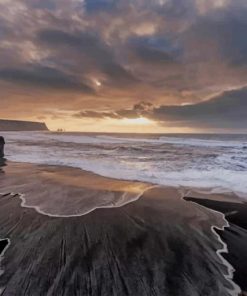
(3, 244)
(2, 142)
(19, 125)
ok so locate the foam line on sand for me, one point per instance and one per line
(121, 202)
(224, 250)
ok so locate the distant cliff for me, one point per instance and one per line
(18, 125)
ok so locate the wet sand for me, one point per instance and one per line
(156, 244)
(235, 236)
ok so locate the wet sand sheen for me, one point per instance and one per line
(157, 245)
(74, 192)
(235, 236)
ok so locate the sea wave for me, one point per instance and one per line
(173, 161)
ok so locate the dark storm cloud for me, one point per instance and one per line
(153, 55)
(41, 4)
(177, 9)
(99, 5)
(115, 53)
(227, 28)
(43, 77)
(92, 46)
(89, 43)
(228, 110)
(118, 74)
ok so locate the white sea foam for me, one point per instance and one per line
(217, 163)
(1, 258)
(235, 290)
(75, 209)
(101, 139)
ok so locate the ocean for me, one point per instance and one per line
(217, 163)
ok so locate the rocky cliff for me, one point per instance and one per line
(17, 125)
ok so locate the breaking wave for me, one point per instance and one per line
(205, 161)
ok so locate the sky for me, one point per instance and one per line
(125, 65)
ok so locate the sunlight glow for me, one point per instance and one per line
(136, 121)
(135, 125)
(97, 82)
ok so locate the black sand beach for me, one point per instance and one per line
(235, 236)
(156, 245)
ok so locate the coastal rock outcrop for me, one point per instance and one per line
(2, 142)
(18, 125)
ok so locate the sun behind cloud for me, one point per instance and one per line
(137, 121)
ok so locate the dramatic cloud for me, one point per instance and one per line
(227, 110)
(43, 77)
(106, 56)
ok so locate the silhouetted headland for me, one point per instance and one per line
(19, 125)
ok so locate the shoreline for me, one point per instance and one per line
(234, 236)
(68, 184)
(217, 192)
(37, 209)
(224, 250)
(156, 200)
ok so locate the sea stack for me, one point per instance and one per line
(2, 142)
